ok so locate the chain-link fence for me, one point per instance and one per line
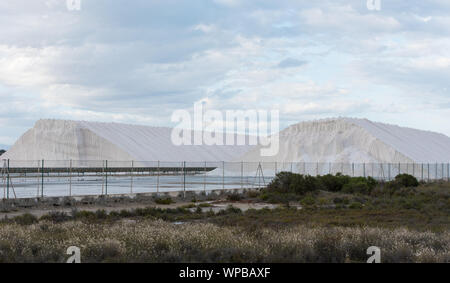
(41, 178)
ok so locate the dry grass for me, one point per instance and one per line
(159, 241)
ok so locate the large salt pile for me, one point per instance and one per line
(80, 140)
(348, 140)
(340, 140)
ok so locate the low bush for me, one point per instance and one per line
(25, 219)
(234, 197)
(56, 216)
(402, 181)
(291, 183)
(334, 183)
(164, 200)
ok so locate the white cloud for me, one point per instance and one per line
(138, 62)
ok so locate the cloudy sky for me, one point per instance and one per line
(138, 61)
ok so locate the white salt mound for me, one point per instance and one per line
(80, 140)
(356, 140)
(330, 140)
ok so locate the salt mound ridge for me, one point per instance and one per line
(344, 140)
(351, 140)
(80, 140)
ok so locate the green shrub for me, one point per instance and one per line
(286, 182)
(56, 216)
(334, 183)
(165, 200)
(401, 181)
(26, 219)
(253, 194)
(308, 200)
(356, 187)
(406, 180)
(234, 197)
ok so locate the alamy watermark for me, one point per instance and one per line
(230, 127)
(73, 5)
(374, 5)
(375, 254)
(75, 254)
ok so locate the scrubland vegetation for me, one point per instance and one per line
(319, 219)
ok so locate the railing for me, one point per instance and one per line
(41, 178)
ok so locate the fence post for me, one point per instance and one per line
(106, 177)
(204, 178)
(223, 175)
(436, 172)
(70, 177)
(442, 171)
(42, 180)
(389, 171)
(157, 179)
(399, 168)
(132, 172)
(428, 165)
(448, 172)
(414, 170)
(364, 170)
(37, 177)
(353, 169)
(317, 169)
(184, 179)
(7, 181)
(422, 170)
(242, 174)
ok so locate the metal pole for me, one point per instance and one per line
(70, 178)
(242, 174)
(442, 171)
(204, 177)
(436, 172)
(353, 169)
(276, 168)
(389, 171)
(422, 170)
(428, 164)
(7, 181)
(106, 177)
(373, 165)
(132, 173)
(37, 178)
(364, 169)
(103, 177)
(184, 179)
(157, 179)
(223, 175)
(42, 179)
(259, 177)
